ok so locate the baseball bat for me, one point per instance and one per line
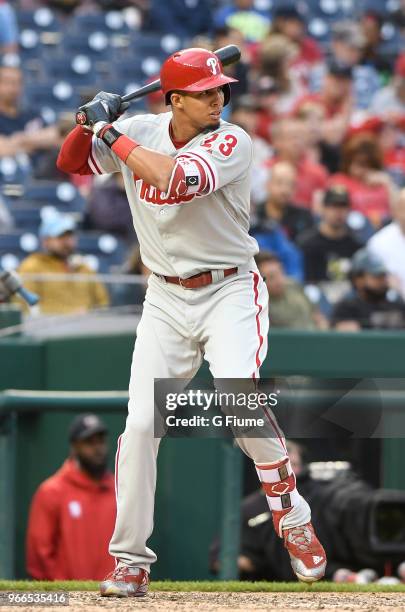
(227, 55)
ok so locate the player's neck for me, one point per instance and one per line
(181, 133)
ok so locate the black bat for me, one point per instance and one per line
(227, 55)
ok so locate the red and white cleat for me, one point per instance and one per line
(307, 556)
(125, 582)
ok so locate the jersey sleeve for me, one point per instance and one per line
(101, 159)
(220, 158)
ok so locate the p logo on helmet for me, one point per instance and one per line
(193, 70)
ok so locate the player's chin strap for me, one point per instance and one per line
(278, 482)
(119, 143)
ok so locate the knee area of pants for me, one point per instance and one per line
(140, 427)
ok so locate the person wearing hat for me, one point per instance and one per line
(65, 296)
(374, 305)
(72, 513)
(328, 246)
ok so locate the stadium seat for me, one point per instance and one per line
(95, 45)
(57, 96)
(77, 70)
(105, 248)
(61, 195)
(15, 246)
(42, 20)
(111, 22)
(317, 297)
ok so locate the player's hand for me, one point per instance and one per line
(113, 104)
(105, 107)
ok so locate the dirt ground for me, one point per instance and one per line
(229, 602)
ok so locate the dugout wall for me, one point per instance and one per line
(188, 507)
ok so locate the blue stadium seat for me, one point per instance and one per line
(361, 227)
(42, 19)
(57, 96)
(15, 246)
(77, 70)
(111, 22)
(61, 195)
(15, 170)
(317, 297)
(95, 45)
(106, 249)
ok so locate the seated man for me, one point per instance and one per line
(372, 306)
(65, 296)
(73, 512)
(22, 130)
(289, 306)
(280, 206)
(328, 247)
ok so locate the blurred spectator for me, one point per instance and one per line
(72, 513)
(289, 22)
(238, 70)
(371, 189)
(271, 237)
(131, 294)
(66, 296)
(347, 44)
(397, 17)
(290, 138)
(279, 205)
(155, 101)
(390, 100)
(328, 247)
(389, 244)
(374, 305)
(8, 28)
(274, 60)
(244, 114)
(46, 168)
(22, 130)
(333, 103)
(242, 15)
(266, 93)
(108, 209)
(182, 18)
(289, 307)
(373, 54)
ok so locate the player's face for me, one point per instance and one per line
(203, 109)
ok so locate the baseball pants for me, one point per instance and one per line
(227, 324)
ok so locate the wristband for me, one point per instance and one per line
(119, 143)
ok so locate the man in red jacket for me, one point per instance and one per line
(72, 513)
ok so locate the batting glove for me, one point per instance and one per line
(105, 107)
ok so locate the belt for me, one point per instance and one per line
(199, 280)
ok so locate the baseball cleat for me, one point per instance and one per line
(125, 582)
(307, 556)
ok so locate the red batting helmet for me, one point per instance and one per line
(193, 70)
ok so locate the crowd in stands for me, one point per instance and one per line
(321, 92)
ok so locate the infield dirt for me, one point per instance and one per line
(229, 602)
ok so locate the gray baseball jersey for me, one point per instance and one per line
(202, 222)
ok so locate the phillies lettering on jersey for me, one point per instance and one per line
(202, 221)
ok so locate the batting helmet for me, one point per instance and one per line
(193, 70)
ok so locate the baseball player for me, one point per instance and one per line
(186, 175)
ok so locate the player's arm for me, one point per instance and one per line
(221, 158)
(83, 153)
